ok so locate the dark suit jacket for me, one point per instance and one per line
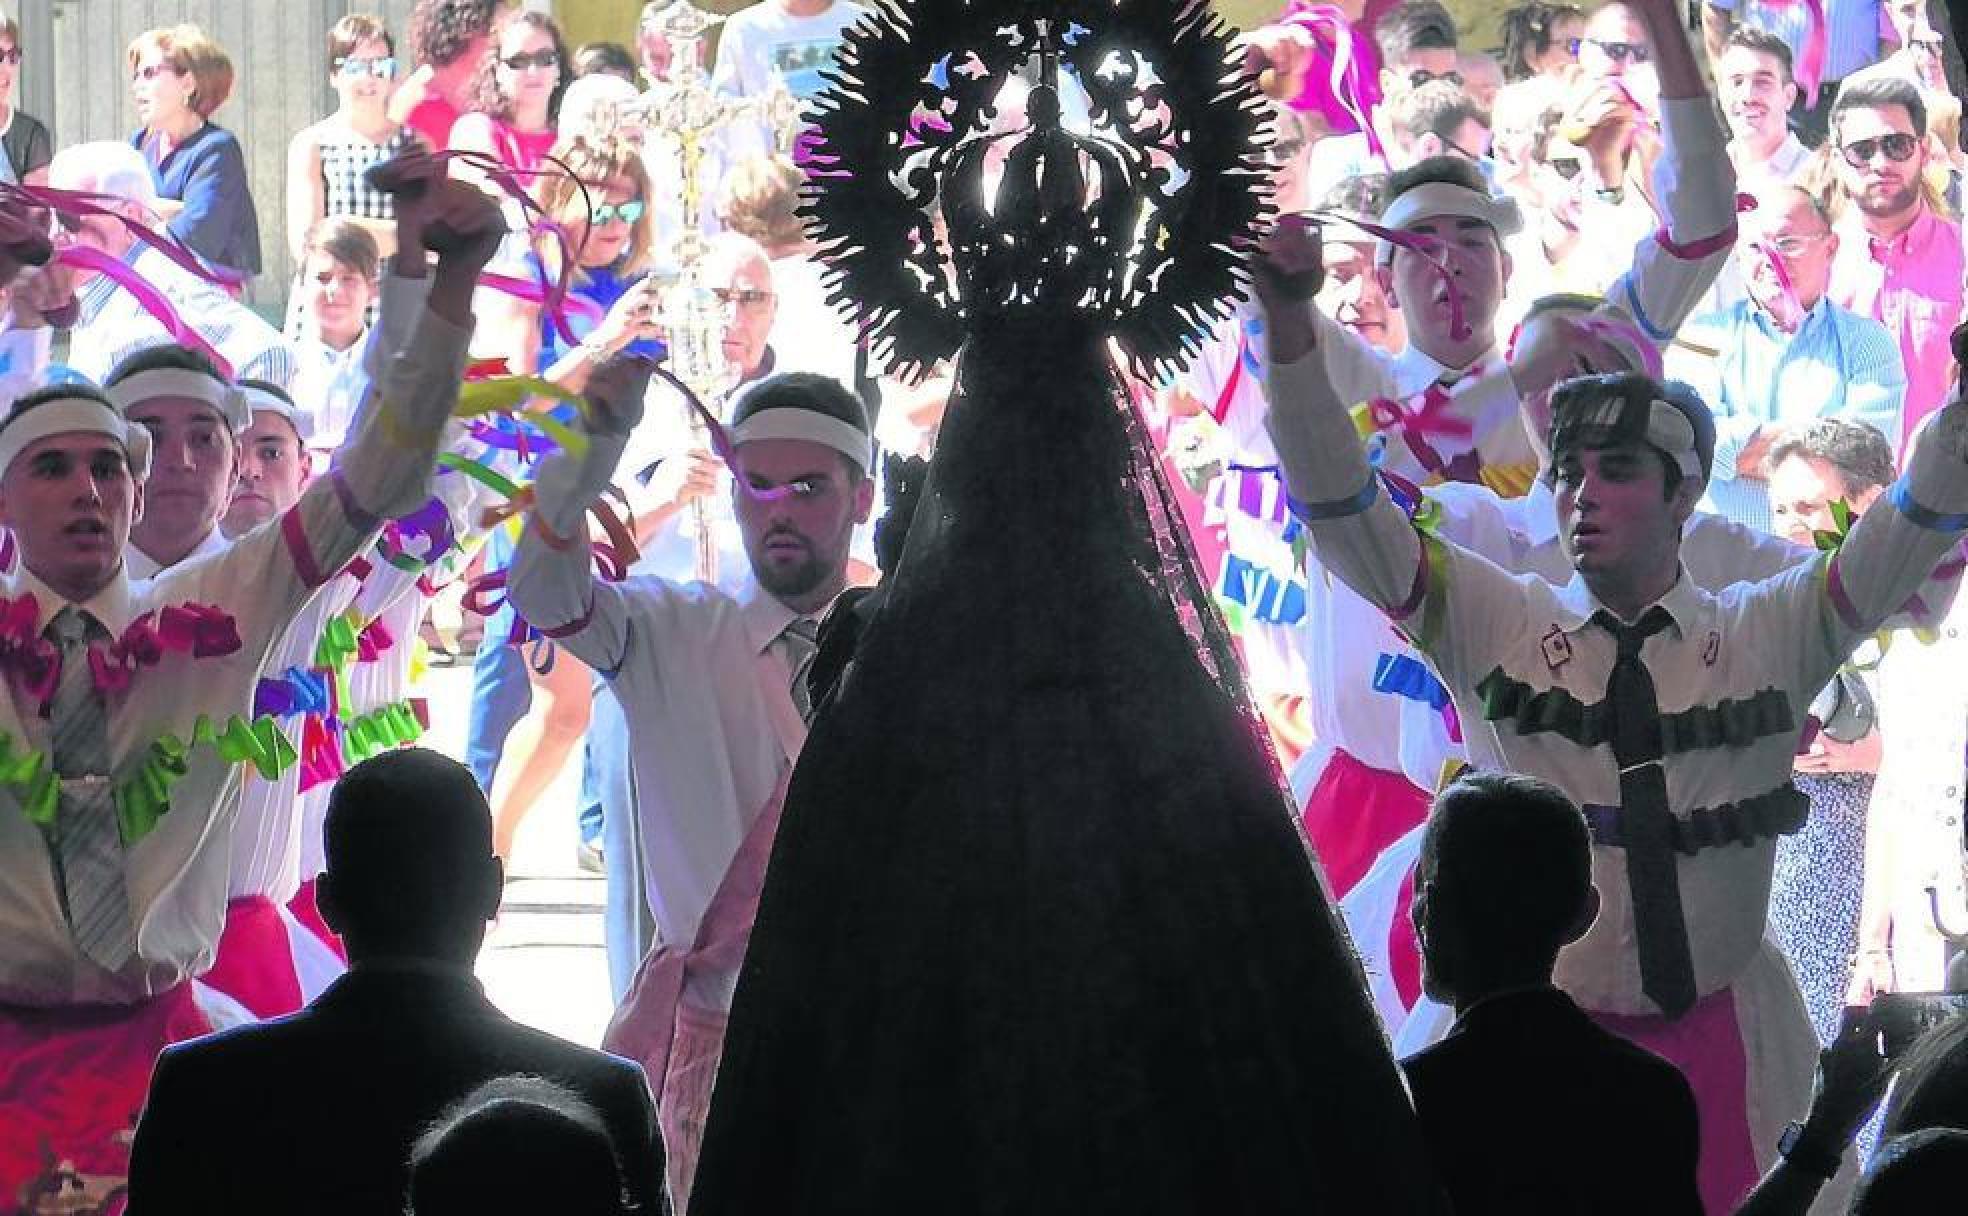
(315, 1113)
(1531, 1109)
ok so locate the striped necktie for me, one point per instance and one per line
(88, 846)
(1667, 970)
(799, 644)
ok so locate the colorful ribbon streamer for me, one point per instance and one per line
(147, 296)
(144, 799)
(1346, 78)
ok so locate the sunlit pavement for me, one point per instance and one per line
(543, 962)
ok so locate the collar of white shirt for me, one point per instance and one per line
(1577, 605)
(764, 615)
(1415, 369)
(114, 607)
(140, 565)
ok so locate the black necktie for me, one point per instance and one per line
(1667, 973)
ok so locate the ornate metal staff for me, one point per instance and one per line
(686, 112)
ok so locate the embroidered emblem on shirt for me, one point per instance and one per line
(1557, 648)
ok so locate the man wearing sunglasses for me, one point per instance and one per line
(1899, 260)
(1417, 44)
(1851, 43)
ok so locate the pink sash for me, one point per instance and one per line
(644, 1027)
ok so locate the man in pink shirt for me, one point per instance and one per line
(1899, 262)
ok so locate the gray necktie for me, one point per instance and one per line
(88, 847)
(798, 642)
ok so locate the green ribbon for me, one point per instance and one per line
(338, 646)
(32, 780)
(1841, 527)
(143, 799)
(380, 730)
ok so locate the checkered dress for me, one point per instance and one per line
(345, 158)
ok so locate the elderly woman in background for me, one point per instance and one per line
(326, 162)
(178, 77)
(25, 147)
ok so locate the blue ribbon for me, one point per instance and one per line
(1403, 675)
(1925, 517)
(297, 691)
(1338, 508)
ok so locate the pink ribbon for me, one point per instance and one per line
(79, 203)
(147, 296)
(1626, 333)
(553, 297)
(321, 754)
(31, 660)
(1784, 281)
(1817, 39)
(1429, 249)
(1435, 417)
(373, 642)
(721, 442)
(1346, 78)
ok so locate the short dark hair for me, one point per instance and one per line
(441, 30)
(806, 391)
(1633, 386)
(347, 242)
(1419, 25)
(403, 830)
(1438, 108)
(1357, 195)
(166, 356)
(1856, 450)
(1527, 31)
(592, 57)
(1751, 38)
(36, 397)
(1879, 93)
(354, 30)
(517, 1144)
(1454, 170)
(1912, 1175)
(1512, 860)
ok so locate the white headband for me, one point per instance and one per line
(1432, 199)
(73, 415)
(185, 386)
(258, 399)
(1669, 430)
(794, 422)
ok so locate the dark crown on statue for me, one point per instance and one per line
(1138, 230)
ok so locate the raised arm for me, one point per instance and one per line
(384, 470)
(552, 580)
(1892, 551)
(1694, 185)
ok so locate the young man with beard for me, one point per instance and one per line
(133, 698)
(1899, 260)
(1448, 409)
(1671, 713)
(712, 688)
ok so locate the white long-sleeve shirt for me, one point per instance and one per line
(177, 873)
(704, 691)
(1734, 675)
(1344, 635)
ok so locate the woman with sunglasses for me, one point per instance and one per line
(525, 724)
(517, 97)
(326, 162)
(25, 146)
(178, 77)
